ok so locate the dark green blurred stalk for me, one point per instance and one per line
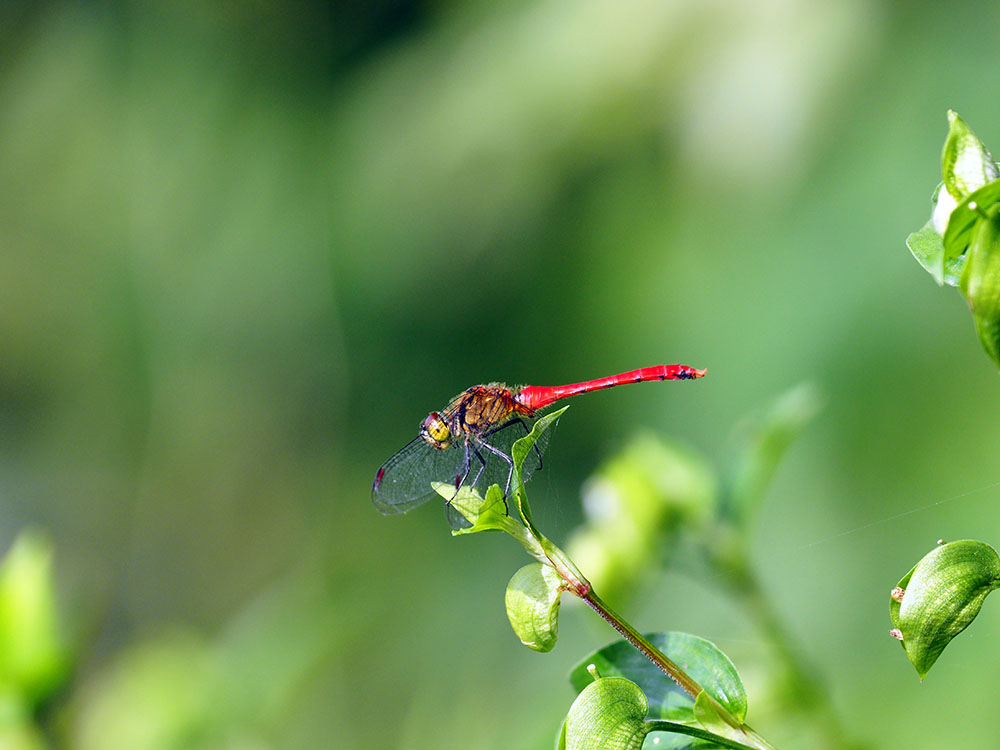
(807, 691)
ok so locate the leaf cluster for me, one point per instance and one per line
(960, 243)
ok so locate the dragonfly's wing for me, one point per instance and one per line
(404, 481)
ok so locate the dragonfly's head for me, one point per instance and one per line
(435, 431)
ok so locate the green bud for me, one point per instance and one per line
(941, 597)
(980, 282)
(532, 600)
(966, 163)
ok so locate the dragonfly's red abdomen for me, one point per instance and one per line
(535, 397)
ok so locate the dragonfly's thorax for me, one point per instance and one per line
(435, 431)
(481, 408)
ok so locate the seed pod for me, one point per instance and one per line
(944, 593)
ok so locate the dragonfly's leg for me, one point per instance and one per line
(482, 466)
(507, 459)
(463, 472)
(524, 426)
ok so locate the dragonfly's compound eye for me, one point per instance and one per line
(435, 431)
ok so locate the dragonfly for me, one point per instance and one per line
(468, 443)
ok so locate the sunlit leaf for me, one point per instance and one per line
(928, 248)
(980, 282)
(532, 602)
(699, 658)
(609, 714)
(519, 452)
(489, 514)
(481, 514)
(707, 714)
(964, 220)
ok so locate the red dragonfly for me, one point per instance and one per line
(484, 421)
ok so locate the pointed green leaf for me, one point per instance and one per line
(521, 448)
(964, 221)
(766, 444)
(707, 714)
(943, 596)
(687, 737)
(701, 659)
(490, 514)
(721, 729)
(966, 163)
(532, 601)
(980, 282)
(608, 715)
(519, 452)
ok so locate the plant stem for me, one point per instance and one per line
(651, 652)
(675, 727)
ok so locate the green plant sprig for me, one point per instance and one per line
(533, 597)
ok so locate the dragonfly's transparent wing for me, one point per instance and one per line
(404, 481)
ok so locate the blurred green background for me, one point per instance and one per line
(246, 246)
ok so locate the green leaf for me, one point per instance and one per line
(943, 595)
(980, 282)
(490, 514)
(707, 714)
(966, 163)
(701, 659)
(532, 601)
(964, 220)
(768, 440)
(519, 452)
(687, 737)
(33, 658)
(927, 247)
(609, 714)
